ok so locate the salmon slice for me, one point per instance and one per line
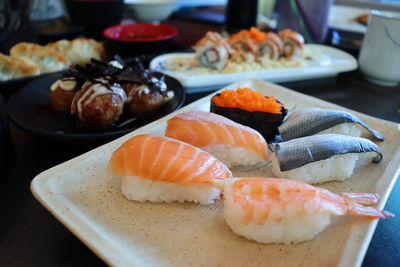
(200, 128)
(165, 159)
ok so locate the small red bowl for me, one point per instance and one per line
(140, 32)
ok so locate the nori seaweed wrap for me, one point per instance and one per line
(266, 123)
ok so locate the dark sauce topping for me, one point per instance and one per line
(117, 74)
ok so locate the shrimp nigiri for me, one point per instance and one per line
(232, 143)
(156, 168)
(270, 210)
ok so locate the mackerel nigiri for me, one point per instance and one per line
(320, 158)
(156, 168)
(232, 143)
(311, 121)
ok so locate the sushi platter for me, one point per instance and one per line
(88, 201)
(330, 62)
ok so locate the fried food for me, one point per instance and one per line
(12, 67)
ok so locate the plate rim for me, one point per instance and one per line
(68, 136)
(41, 193)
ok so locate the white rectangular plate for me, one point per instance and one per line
(344, 18)
(88, 201)
(331, 62)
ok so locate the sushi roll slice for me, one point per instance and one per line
(270, 45)
(262, 113)
(269, 210)
(320, 158)
(156, 169)
(212, 51)
(311, 121)
(232, 143)
(293, 42)
(244, 45)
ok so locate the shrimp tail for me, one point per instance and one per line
(356, 201)
(362, 198)
(369, 212)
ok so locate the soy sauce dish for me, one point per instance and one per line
(140, 33)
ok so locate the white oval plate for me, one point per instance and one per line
(330, 62)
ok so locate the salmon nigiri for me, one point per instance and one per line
(156, 168)
(270, 210)
(232, 143)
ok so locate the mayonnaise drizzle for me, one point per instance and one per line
(116, 64)
(68, 84)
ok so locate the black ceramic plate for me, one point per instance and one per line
(10, 87)
(30, 109)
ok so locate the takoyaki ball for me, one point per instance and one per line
(97, 105)
(141, 100)
(62, 93)
(128, 87)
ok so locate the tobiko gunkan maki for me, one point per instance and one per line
(250, 108)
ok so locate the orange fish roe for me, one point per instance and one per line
(257, 35)
(245, 98)
(243, 34)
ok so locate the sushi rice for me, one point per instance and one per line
(336, 168)
(233, 156)
(142, 190)
(350, 129)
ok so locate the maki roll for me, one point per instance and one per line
(262, 113)
(270, 44)
(244, 45)
(293, 42)
(212, 51)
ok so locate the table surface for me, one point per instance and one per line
(31, 236)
